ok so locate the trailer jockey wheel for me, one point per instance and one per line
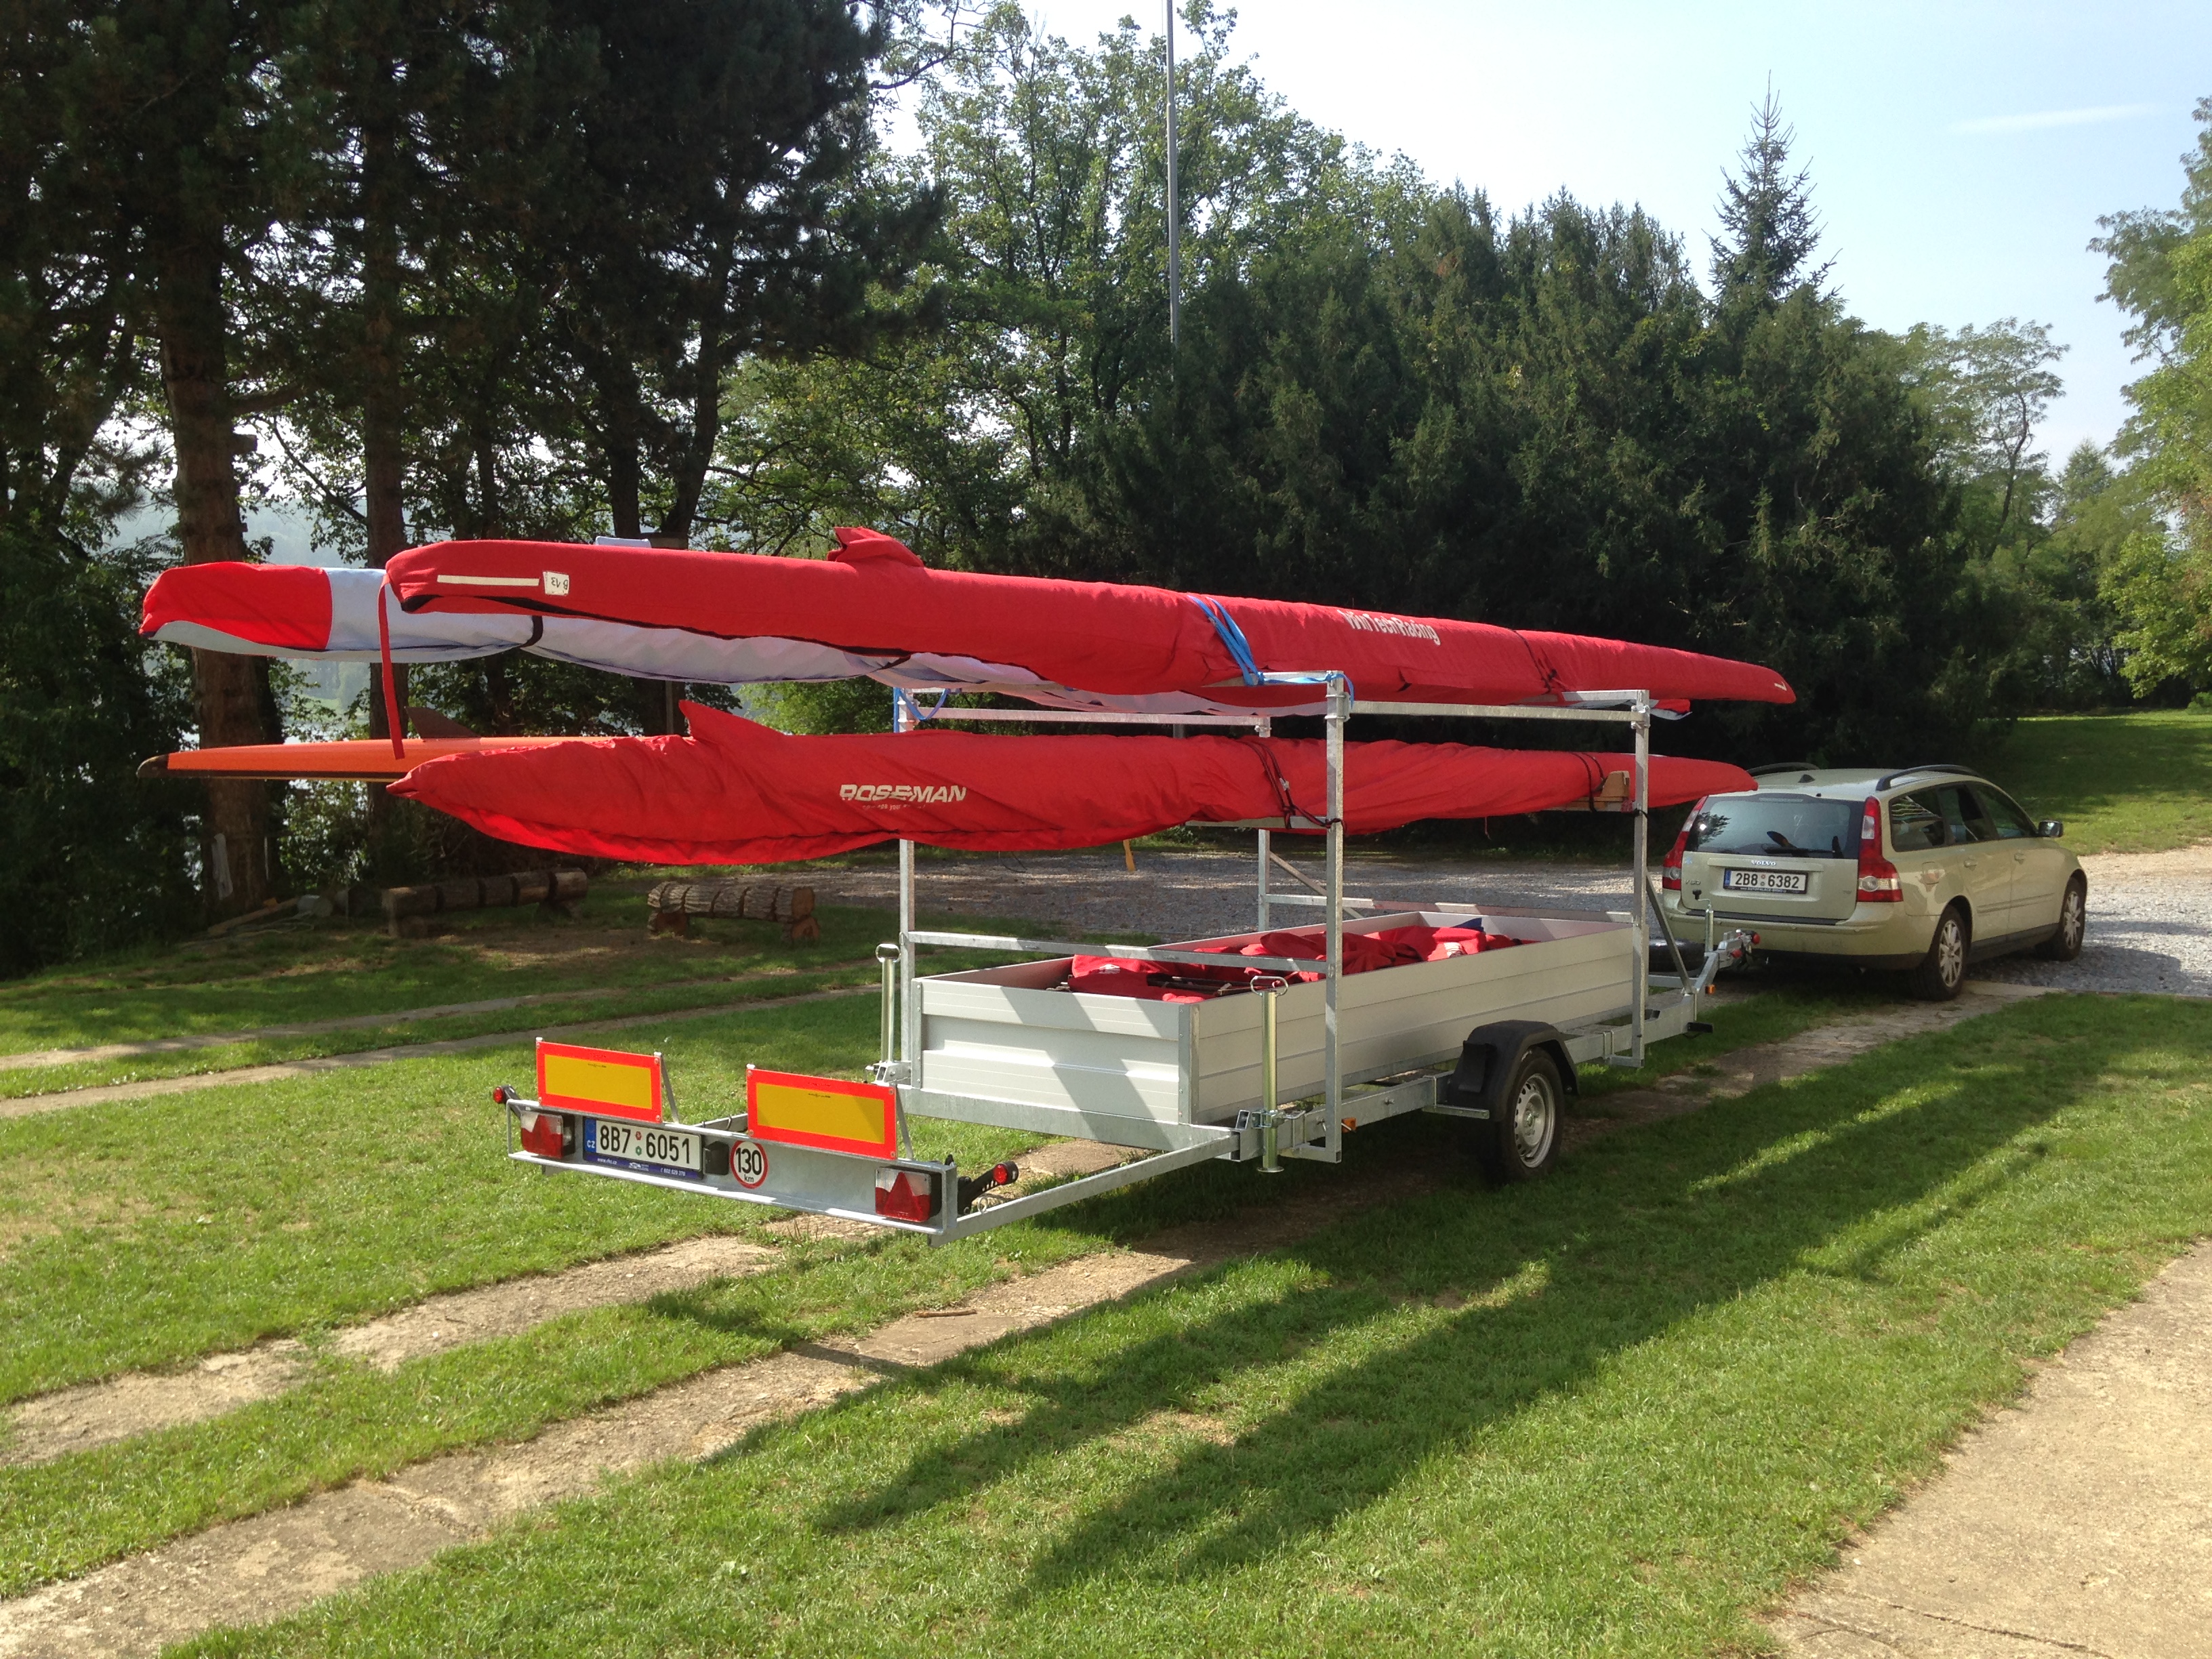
(1522, 1139)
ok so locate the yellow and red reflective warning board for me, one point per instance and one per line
(604, 1082)
(821, 1111)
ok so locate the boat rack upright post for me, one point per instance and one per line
(1340, 701)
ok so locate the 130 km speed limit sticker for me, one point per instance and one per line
(748, 1163)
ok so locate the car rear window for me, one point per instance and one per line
(1777, 826)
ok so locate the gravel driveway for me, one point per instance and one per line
(2150, 928)
(2150, 914)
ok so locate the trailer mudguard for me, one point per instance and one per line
(1490, 1056)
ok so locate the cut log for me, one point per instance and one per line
(403, 906)
(673, 903)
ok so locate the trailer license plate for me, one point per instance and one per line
(1763, 881)
(642, 1146)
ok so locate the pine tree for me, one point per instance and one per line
(1767, 215)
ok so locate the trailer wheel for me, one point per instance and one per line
(1522, 1140)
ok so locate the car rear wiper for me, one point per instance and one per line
(1789, 846)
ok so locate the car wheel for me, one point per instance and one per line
(1522, 1141)
(1942, 971)
(2065, 944)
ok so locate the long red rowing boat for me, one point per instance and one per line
(871, 608)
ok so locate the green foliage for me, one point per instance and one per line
(2037, 545)
(1386, 397)
(2160, 581)
(1769, 229)
(2161, 584)
(92, 858)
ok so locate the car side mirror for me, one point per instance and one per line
(2052, 828)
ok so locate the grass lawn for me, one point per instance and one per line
(601, 959)
(392, 1187)
(1616, 1412)
(2123, 783)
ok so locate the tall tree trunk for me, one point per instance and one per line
(383, 412)
(228, 690)
(622, 445)
(689, 483)
(623, 427)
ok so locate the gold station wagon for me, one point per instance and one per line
(1926, 870)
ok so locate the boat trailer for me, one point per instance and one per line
(1283, 1072)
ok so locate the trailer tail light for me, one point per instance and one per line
(905, 1195)
(545, 1135)
(1670, 873)
(1879, 883)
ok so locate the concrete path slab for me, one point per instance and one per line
(92, 1414)
(274, 1564)
(2078, 1522)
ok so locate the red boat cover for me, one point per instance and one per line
(1183, 981)
(873, 597)
(736, 793)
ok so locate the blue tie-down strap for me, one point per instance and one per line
(1240, 648)
(915, 714)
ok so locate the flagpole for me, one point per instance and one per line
(1175, 214)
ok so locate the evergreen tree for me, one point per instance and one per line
(1770, 231)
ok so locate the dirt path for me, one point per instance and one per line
(1824, 1046)
(62, 1100)
(305, 1028)
(2077, 1522)
(98, 1413)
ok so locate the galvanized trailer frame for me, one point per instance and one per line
(736, 1166)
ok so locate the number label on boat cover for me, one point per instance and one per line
(821, 1111)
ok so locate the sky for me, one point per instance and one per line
(1960, 153)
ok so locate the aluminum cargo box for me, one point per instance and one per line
(1002, 1034)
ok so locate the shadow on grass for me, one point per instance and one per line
(1643, 1232)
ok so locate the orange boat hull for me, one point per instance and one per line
(362, 759)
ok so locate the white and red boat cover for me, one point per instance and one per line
(871, 608)
(737, 792)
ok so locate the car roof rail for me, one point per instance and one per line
(1782, 766)
(1942, 767)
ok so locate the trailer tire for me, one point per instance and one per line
(1521, 1140)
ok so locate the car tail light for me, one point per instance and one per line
(1670, 872)
(545, 1135)
(1879, 883)
(905, 1194)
